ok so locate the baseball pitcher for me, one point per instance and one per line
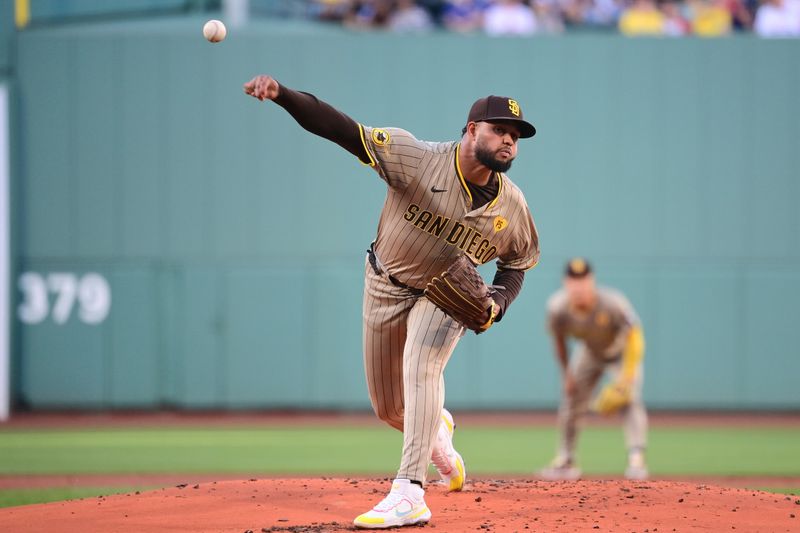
(449, 206)
(609, 341)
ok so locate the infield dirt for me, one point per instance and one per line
(330, 504)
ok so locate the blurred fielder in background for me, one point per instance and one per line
(609, 340)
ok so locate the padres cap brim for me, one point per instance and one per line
(501, 109)
(526, 129)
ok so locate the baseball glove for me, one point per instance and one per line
(613, 398)
(461, 293)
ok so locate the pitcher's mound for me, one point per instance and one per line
(328, 505)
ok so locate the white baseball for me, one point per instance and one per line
(214, 31)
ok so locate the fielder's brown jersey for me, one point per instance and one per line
(603, 329)
(427, 219)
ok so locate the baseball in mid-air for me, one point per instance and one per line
(214, 30)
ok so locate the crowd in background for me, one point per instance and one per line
(707, 18)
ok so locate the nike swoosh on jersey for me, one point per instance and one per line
(434, 189)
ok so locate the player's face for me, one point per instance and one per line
(580, 291)
(496, 144)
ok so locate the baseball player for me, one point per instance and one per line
(447, 203)
(609, 340)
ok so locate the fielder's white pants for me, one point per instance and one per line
(587, 370)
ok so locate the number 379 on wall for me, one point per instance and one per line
(89, 296)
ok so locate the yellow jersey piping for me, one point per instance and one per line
(366, 149)
(499, 190)
(466, 188)
(461, 175)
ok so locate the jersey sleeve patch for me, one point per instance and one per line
(380, 137)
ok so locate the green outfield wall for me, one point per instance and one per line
(180, 244)
(6, 35)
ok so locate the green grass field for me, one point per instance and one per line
(258, 451)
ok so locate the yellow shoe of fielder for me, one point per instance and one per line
(404, 506)
(445, 458)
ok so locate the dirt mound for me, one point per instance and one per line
(330, 504)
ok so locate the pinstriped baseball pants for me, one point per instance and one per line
(407, 343)
(587, 371)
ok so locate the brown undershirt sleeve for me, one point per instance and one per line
(508, 284)
(322, 119)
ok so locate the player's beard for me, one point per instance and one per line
(487, 158)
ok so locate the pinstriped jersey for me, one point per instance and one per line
(427, 219)
(603, 329)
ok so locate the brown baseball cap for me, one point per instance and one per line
(499, 108)
(577, 267)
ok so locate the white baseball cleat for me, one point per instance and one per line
(560, 470)
(637, 468)
(404, 506)
(636, 472)
(445, 458)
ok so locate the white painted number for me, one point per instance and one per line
(64, 287)
(34, 306)
(94, 296)
(91, 291)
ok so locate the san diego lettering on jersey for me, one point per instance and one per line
(455, 233)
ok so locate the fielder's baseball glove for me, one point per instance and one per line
(461, 293)
(613, 397)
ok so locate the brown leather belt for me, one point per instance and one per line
(373, 261)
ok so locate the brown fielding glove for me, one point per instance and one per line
(613, 397)
(461, 293)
